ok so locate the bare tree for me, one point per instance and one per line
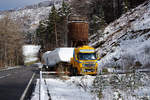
(10, 43)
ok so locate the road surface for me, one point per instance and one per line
(14, 82)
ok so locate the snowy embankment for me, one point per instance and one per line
(133, 86)
(30, 53)
(70, 88)
(125, 43)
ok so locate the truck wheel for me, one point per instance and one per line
(75, 72)
(71, 71)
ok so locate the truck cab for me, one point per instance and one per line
(84, 61)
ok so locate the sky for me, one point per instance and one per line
(11, 4)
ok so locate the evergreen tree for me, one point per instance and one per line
(98, 22)
(51, 32)
(41, 34)
(65, 10)
(125, 6)
(52, 24)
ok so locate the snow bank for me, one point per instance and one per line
(51, 58)
(43, 92)
(133, 86)
(30, 53)
(70, 89)
(82, 82)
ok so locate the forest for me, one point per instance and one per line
(11, 42)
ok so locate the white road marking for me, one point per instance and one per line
(25, 91)
(9, 68)
(5, 76)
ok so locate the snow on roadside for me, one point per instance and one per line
(133, 86)
(30, 53)
(82, 82)
(73, 88)
(36, 94)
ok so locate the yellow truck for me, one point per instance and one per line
(84, 61)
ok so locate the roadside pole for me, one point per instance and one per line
(40, 97)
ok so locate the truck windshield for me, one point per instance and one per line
(87, 56)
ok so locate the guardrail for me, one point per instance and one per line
(41, 82)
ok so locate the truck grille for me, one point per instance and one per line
(88, 65)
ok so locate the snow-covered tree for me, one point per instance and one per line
(65, 10)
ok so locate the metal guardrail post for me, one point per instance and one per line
(40, 98)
